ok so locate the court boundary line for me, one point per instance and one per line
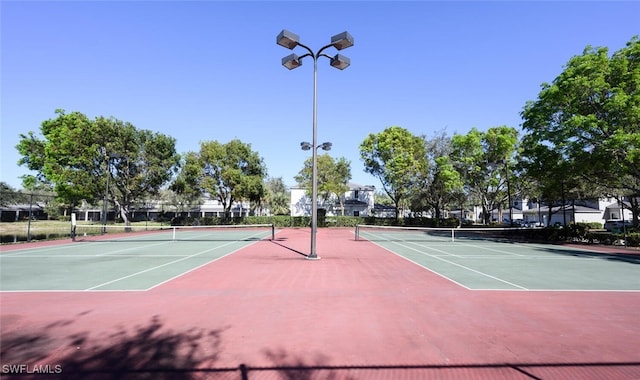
(200, 266)
(19, 251)
(518, 289)
(162, 265)
(70, 290)
(421, 266)
(491, 249)
(90, 256)
(460, 265)
(448, 262)
(94, 288)
(562, 290)
(115, 253)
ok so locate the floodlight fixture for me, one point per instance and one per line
(342, 40)
(288, 39)
(340, 62)
(326, 146)
(305, 145)
(291, 61)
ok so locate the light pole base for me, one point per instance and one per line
(315, 257)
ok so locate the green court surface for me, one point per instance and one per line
(494, 264)
(129, 262)
(142, 261)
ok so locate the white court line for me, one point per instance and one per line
(491, 249)
(454, 264)
(522, 257)
(424, 246)
(200, 266)
(26, 250)
(170, 263)
(158, 266)
(421, 266)
(115, 253)
(519, 288)
(68, 290)
(88, 256)
(25, 254)
(564, 290)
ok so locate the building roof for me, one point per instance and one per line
(568, 208)
(354, 202)
(616, 205)
(356, 186)
(352, 186)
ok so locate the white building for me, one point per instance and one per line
(357, 201)
(579, 211)
(153, 210)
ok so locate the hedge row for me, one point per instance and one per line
(305, 221)
(582, 232)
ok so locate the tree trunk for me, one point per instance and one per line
(635, 210)
(124, 213)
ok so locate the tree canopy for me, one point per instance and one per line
(440, 184)
(581, 138)
(396, 157)
(231, 172)
(277, 197)
(89, 160)
(585, 125)
(333, 176)
(483, 160)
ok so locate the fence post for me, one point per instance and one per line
(244, 373)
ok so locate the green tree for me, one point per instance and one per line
(382, 198)
(231, 172)
(184, 189)
(277, 197)
(397, 158)
(10, 196)
(333, 177)
(588, 118)
(483, 160)
(440, 184)
(92, 159)
(65, 157)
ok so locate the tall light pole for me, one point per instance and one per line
(292, 61)
(106, 191)
(494, 165)
(506, 169)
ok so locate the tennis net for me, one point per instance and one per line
(236, 232)
(432, 234)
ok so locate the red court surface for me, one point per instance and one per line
(360, 312)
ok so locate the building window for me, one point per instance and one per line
(355, 195)
(356, 213)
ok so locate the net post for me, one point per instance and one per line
(174, 234)
(273, 232)
(357, 232)
(74, 223)
(453, 235)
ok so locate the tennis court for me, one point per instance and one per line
(380, 307)
(484, 259)
(131, 258)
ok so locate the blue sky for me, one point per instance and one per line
(211, 70)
